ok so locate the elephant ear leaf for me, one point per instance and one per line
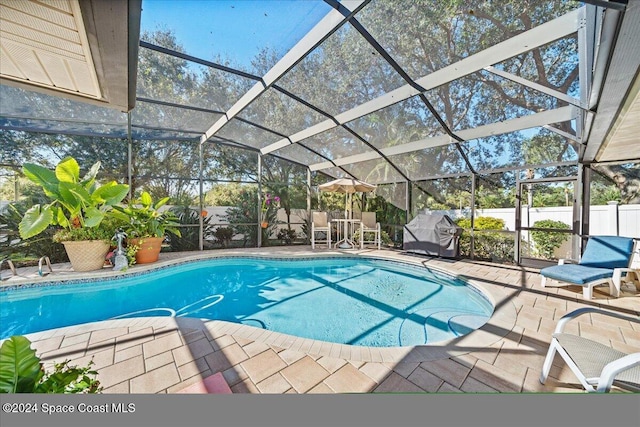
(68, 170)
(42, 176)
(161, 202)
(35, 221)
(145, 199)
(20, 368)
(93, 217)
(91, 175)
(110, 193)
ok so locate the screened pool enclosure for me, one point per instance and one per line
(457, 106)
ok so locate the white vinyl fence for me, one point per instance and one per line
(611, 219)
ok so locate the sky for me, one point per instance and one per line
(236, 29)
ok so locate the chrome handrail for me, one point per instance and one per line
(11, 267)
(48, 262)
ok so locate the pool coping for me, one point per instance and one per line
(502, 321)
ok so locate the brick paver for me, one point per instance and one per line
(263, 365)
(155, 380)
(305, 374)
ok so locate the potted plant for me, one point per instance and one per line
(79, 206)
(146, 226)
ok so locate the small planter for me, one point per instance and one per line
(264, 224)
(86, 255)
(149, 249)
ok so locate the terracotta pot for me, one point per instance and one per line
(264, 224)
(149, 249)
(86, 255)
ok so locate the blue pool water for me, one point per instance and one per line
(344, 300)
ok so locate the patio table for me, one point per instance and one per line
(345, 240)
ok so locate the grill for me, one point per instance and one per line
(432, 234)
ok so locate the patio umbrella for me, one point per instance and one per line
(347, 186)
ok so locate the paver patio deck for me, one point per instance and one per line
(166, 355)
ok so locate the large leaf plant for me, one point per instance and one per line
(145, 218)
(78, 205)
(21, 371)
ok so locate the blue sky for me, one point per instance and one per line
(236, 29)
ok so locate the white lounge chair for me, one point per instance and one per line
(596, 365)
(370, 226)
(320, 224)
(604, 261)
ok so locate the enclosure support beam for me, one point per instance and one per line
(516, 250)
(537, 86)
(586, 173)
(407, 198)
(309, 201)
(259, 240)
(579, 204)
(129, 156)
(586, 43)
(201, 195)
(474, 179)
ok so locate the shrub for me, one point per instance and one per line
(105, 232)
(223, 235)
(189, 238)
(488, 245)
(286, 235)
(482, 223)
(492, 246)
(384, 237)
(546, 242)
(22, 372)
(18, 249)
(243, 218)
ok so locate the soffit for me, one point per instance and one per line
(70, 48)
(616, 126)
(623, 142)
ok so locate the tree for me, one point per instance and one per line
(227, 194)
(626, 178)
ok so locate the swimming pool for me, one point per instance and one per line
(353, 301)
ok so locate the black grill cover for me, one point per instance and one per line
(432, 234)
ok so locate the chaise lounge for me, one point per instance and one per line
(604, 261)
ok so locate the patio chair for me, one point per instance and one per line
(603, 262)
(369, 225)
(596, 365)
(320, 224)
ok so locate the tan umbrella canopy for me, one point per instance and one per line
(347, 186)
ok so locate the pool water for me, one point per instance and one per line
(343, 300)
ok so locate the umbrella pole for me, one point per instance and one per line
(346, 205)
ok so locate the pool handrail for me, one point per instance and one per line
(11, 267)
(48, 262)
